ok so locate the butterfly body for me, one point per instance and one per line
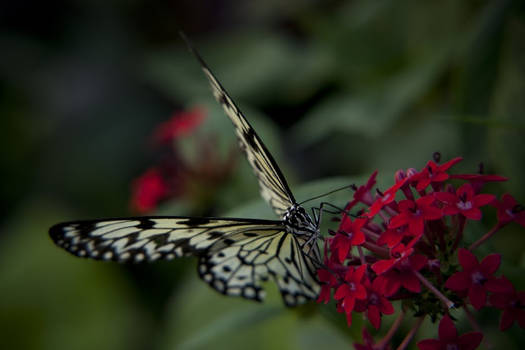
(235, 255)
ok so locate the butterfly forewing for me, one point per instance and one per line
(273, 186)
(235, 254)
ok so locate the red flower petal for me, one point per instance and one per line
(470, 341)
(447, 165)
(359, 272)
(477, 296)
(343, 247)
(467, 260)
(386, 306)
(349, 318)
(342, 291)
(490, 264)
(429, 344)
(458, 281)
(446, 197)
(374, 316)
(499, 285)
(411, 283)
(472, 214)
(447, 330)
(483, 199)
(348, 304)
(382, 266)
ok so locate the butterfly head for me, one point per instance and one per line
(299, 222)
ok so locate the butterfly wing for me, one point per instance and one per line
(272, 183)
(235, 255)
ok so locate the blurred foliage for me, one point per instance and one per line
(336, 89)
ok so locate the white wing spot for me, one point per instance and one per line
(219, 285)
(234, 291)
(108, 255)
(154, 256)
(139, 257)
(208, 277)
(289, 299)
(249, 292)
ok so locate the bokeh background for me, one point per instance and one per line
(336, 89)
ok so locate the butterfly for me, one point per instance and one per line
(234, 255)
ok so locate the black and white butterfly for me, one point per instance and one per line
(235, 255)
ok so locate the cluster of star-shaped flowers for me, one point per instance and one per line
(396, 244)
(174, 175)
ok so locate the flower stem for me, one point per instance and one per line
(461, 223)
(448, 303)
(383, 252)
(485, 237)
(361, 255)
(411, 334)
(393, 329)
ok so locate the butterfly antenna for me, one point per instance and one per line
(328, 193)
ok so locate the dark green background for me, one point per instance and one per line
(336, 89)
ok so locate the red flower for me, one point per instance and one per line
(477, 278)
(509, 210)
(402, 274)
(415, 213)
(513, 306)
(362, 194)
(393, 236)
(328, 281)
(348, 235)
(397, 253)
(449, 339)
(180, 124)
(148, 190)
(464, 202)
(433, 173)
(388, 197)
(351, 289)
(375, 303)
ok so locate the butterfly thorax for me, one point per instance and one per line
(298, 222)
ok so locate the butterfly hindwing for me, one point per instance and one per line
(238, 269)
(235, 255)
(273, 186)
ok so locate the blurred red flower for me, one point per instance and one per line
(148, 190)
(180, 124)
(449, 339)
(477, 278)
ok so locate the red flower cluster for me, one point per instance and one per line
(175, 176)
(413, 253)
